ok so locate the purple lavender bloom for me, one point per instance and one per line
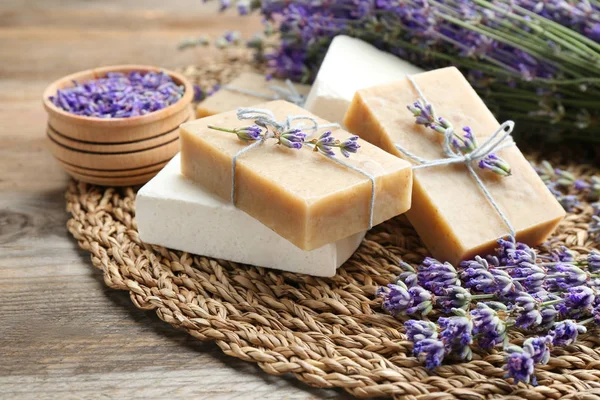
(527, 311)
(399, 299)
(596, 313)
(349, 145)
(568, 201)
(430, 350)
(409, 278)
(324, 144)
(453, 297)
(495, 164)
(243, 7)
(565, 332)
(538, 348)
(435, 276)
(581, 185)
(578, 299)
(489, 328)
(566, 276)
(549, 314)
(423, 112)
(224, 4)
(198, 93)
(564, 255)
(519, 365)
(252, 132)
(457, 336)
(293, 138)
(593, 261)
(417, 330)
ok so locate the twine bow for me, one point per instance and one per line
(288, 93)
(266, 118)
(500, 139)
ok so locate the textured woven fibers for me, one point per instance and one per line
(329, 333)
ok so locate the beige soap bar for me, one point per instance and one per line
(226, 100)
(302, 195)
(449, 210)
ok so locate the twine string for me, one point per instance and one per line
(266, 118)
(500, 139)
(288, 93)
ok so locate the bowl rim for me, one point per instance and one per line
(95, 73)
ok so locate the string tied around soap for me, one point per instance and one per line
(500, 139)
(265, 118)
(288, 93)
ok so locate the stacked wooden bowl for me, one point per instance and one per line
(115, 151)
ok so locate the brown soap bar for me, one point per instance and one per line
(449, 210)
(302, 195)
(226, 100)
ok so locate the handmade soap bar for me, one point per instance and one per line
(349, 65)
(449, 210)
(230, 99)
(174, 212)
(304, 196)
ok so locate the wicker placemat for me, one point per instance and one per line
(329, 333)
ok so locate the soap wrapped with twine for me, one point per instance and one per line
(463, 150)
(287, 134)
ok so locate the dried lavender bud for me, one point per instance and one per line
(423, 112)
(324, 143)
(564, 255)
(593, 262)
(563, 178)
(399, 299)
(569, 202)
(538, 348)
(292, 138)
(495, 164)
(119, 95)
(457, 336)
(453, 297)
(419, 330)
(431, 351)
(578, 299)
(409, 278)
(549, 314)
(527, 311)
(566, 276)
(488, 327)
(519, 365)
(349, 145)
(245, 134)
(435, 276)
(565, 332)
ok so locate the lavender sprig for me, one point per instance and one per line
(425, 115)
(294, 138)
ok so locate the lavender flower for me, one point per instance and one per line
(119, 95)
(519, 365)
(488, 327)
(349, 145)
(593, 262)
(527, 311)
(324, 143)
(432, 351)
(457, 335)
(435, 276)
(577, 300)
(292, 138)
(245, 134)
(566, 276)
(399, 299)
(453, 297)
(495, 164)
(565, 332)
(538, 348)
(419, 330)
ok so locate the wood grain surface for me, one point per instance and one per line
(63, 334)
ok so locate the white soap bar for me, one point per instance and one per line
(350, 65)
(174, 212)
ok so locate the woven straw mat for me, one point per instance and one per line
(329, 333)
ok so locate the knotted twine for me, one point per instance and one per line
(499, 140)
(288, 93)
(265, 118)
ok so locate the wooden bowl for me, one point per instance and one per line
(115, 147)
(116, 130)
(112, 174)
(126, 160)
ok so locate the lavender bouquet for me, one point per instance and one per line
(533, 61)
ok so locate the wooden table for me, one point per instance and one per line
(63, 334)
